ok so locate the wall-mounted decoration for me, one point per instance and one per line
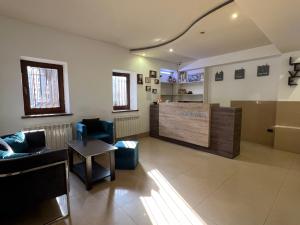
(195, 77)
(294, 74)
(154, 91)
(152, 73)
(156, 81)
(263, 70)
(147, 80)
(219, 76)
(239, 74)
(182, 78)
(139, 79)
(148, 88)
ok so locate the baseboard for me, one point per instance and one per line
(137, 136)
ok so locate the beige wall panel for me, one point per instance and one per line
(287, 139)
(257, 117)
(288, 113)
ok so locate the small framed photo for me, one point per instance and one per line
(219, 76)
(263, 70)
(148, 88)
(239, 74)
(156, 81)
(140, 79)
(152, 74)
(147, 80)
(154, 91)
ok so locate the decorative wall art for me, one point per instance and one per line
(148, 88)
(154, 91)
(219, 76)
(139, 78)
(147, 80)
(294, 74)
(152, 73)
(239, 74)
(194, 77)
(263, 70)
(182, 78)
(156, 81)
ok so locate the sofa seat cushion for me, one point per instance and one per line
(17, 142)
(99, 135)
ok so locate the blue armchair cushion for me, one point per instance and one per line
(17, 142)
(92, 125)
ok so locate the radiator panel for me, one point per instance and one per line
(57, 135)
(127, 126)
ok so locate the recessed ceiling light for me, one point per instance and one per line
(144, 54)
(234, 16)
(171, 50)
(157, 39)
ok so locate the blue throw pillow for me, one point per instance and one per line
(17, 142)
(12, 155)
(2, 154)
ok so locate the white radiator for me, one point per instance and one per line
(127, 126)
(57, 135)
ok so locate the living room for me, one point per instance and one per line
(206, 131)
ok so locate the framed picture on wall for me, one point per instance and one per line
(147, 80)
(239, 74)
(219, 76)
(154, 91)
(156, 81)
(140, 79)
(152, 73)
(148, 88)
(263, 70)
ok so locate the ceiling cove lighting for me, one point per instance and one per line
(186, 30)
(165, 72)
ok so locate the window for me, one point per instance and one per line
(43, 88)
(121, 91)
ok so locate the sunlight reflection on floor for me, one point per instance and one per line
(167, 206)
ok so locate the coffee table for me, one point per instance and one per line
(89, 171)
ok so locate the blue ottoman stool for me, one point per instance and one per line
(127, 155)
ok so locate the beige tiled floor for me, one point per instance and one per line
(178, 185)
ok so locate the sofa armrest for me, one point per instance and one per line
(81, 131)
(108, 127)
(16, 165)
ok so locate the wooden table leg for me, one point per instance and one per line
(71, 159)
(112, 165)
(88, 173)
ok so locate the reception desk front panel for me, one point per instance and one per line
(188, 122)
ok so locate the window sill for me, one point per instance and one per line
(124, 111)
(46, 115)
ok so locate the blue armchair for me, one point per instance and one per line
(95, 129)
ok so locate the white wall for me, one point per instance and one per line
(90, 65)
(250, 88)
(272, 87)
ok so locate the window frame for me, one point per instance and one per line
(125, 107)
(25, 86)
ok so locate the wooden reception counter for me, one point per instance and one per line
(205, 127)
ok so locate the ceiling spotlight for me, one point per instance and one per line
(144, 54)
(234, 16)
(157, 39)
(171, 50)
